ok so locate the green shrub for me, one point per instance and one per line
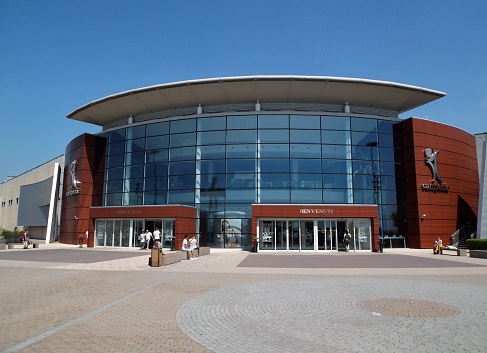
(477, 244)
(11, 236)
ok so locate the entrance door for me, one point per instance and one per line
(327, 237)
(341, 227)
(307, 235)
(293, 235)
(281, 235)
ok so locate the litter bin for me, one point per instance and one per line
(255, 245)
(381, 244)
(156, 257)
(173, 240)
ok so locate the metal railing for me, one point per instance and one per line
(459, 237)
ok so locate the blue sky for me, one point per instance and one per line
(59, 55)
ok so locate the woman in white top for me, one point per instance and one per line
(187, 248)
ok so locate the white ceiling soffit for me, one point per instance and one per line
(249, 89)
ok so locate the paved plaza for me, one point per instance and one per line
(60, 298)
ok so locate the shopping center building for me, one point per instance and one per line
(270, 163)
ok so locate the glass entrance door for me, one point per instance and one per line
(293, 235)
(307, 235)
(327, 235)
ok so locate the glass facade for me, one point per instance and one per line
(224, 164)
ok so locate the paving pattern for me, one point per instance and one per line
(338, 315)
(60, 298)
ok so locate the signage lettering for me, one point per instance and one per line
(316, 211)
(129, 212)
(435, 188)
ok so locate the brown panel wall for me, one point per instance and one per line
(89, 152)
(457, 165)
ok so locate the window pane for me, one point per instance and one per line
(364, 152)
(364, 124)
(158, 169)
(336, 151)
(113, 186)
(157, 142)
(211, 152)
(364, 138)
(335, 181)
(365, 196)
(274, 165)
(116, 161)
(113, 199)
(306, 181)
(242, 151)
(136, 145)
(385, 126)
(154, 156)
(184, 153)
(186, 125)
(136, 132)
(305, 136)
(182, 168)
(305, 122)
(211, 123)
(274, 150)
(306, 165)
(136, 158)
(335, 123)
(212, 166)
(114, 173)
(274, 196)
(241, 180)
(134, 172)
(211, 137)
(387, 154)
(274, 180)
(186, 182)
(240, 165)
(188, 139)
(181, 197)
(241, 136)
(273, 121)
(116, 148)
(335, 137)
(305, 196)
(336, 166)
(241, 195)
(386, 140)
(305, 151)
(280, 136)
(336, 196)
(242, 122)
(158, 129)
(117, 136)
(212, 181)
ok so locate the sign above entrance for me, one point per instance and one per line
(316, 210)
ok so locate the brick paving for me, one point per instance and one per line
(400, 301)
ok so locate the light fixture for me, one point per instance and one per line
(423, 216)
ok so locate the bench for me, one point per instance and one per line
(158, 258)
(170, 258)
(459, 252)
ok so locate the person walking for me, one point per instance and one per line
(193, 245)
(187, 249)
(346, 240)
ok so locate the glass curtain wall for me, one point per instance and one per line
(224, 164)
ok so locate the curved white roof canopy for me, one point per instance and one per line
(250, 89)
